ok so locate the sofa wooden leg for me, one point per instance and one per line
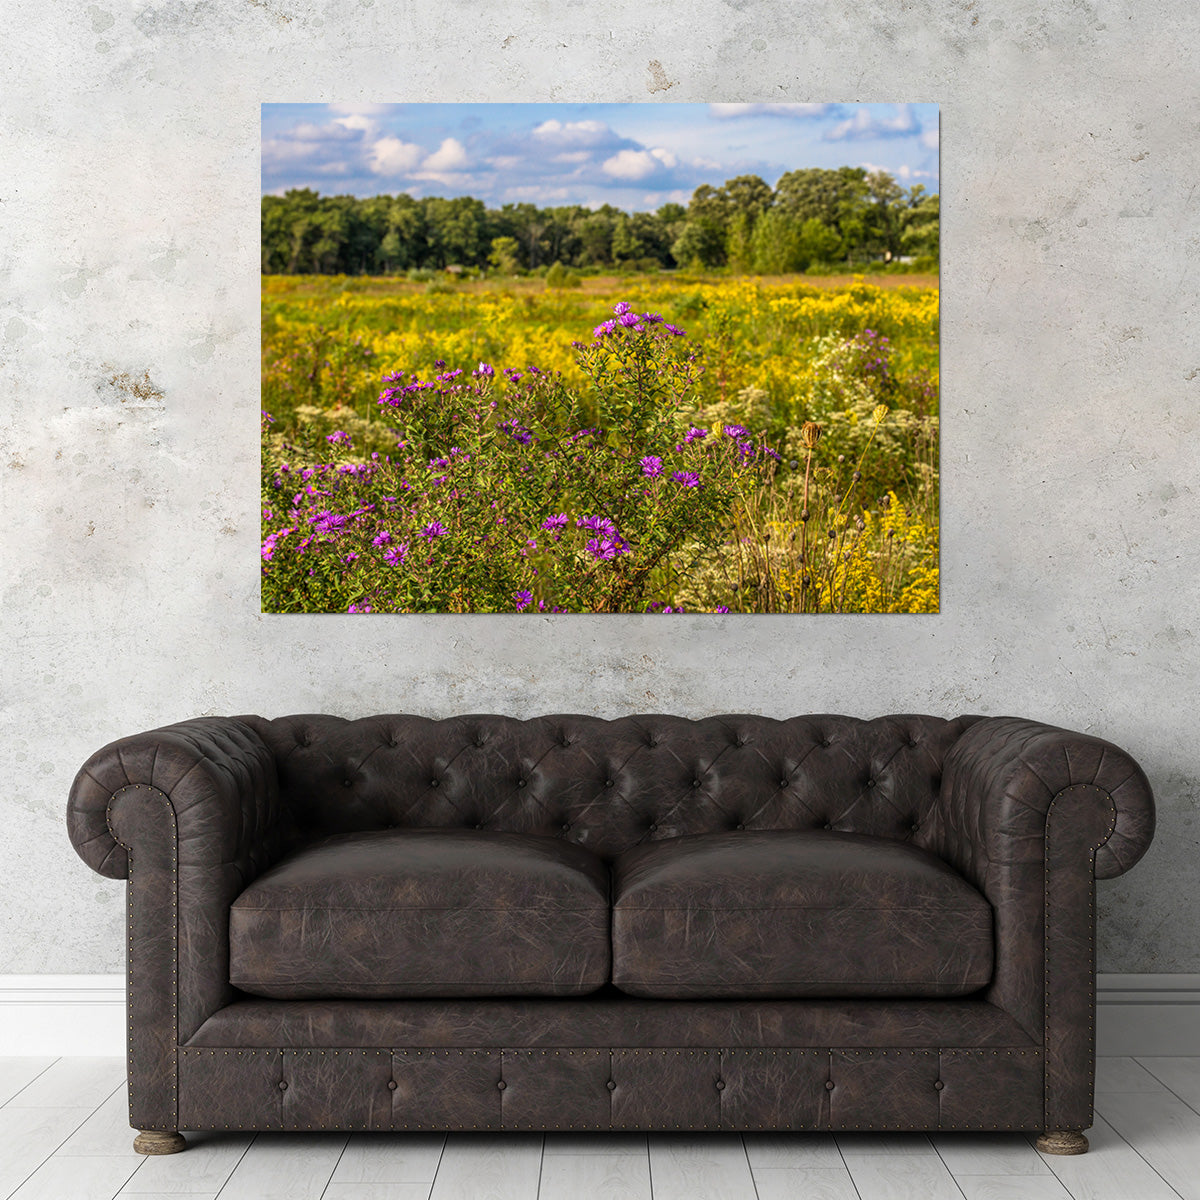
(1062, 1141)
(159, 1141)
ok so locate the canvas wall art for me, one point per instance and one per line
(600, 358)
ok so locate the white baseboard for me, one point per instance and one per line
(85, 1014)
(62, 1014)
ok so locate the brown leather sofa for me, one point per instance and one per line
(651, 923)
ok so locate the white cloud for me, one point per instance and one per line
(284, 150)
(306, 131)
(357, 123)
(451, 155)
(572, 133)
(572, 156)
(391, 156)
(903, 172)
(769, 110)
(929, 139)
(631, 164)
(866, 124)
(665, 157)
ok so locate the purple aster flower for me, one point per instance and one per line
(630, 319)
(266, 416)
(433, 529)
(736, 431)
(394, 377)
(602, 525)
(604, 329)
(603, 549)
(555, 523)
(652, 466)
(523, 600)
(722, 608)
(622, 307)
(687, 478)
(338, 438)
(484, 371)
(396, 555)
(359, 608)
(695, 434)
(673, 330)
(652, 318)
(382, 538)
(439, 363)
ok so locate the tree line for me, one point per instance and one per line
(812, 216)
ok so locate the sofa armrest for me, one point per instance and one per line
(1003, 775)
(189, 814)
(218, 776)
(1032, 816)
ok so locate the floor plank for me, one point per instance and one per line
(767, 1151)
(390, 1158)
(376, 1191)
(891, 1144)
(595, 1176)
(1124, 1075)
(804, 1183)
(72, 1083)
(28, 1136)
(17, 1073)
(106, 1132)
(1181, 1075)
(1110, 1170)
(81, 1177)
(1012, 1187)
(204, 1167)
(478, 1167)
(713, 1167)
(902, 1177)
(1163, 1130)
(621, 1144)
(988, 1154)
(285, 1166)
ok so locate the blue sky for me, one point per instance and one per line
(634, 156)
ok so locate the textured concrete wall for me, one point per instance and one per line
(129, 364)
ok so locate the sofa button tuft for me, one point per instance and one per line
(478, 824)
(566, 825)
(696, 783)
(392, 1085)
(827, 825)
(501, 1085)
(434, 782)
(652, 828)
(870, 783)
(611, 1085)
(829, 1085)
(784, 782)
(608, 783)
(720, 1085)
(283, 1085)
(739, 825)
(521, 782)
(939, 1085)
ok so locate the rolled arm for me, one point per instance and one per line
(1033, 815)
(1004, 774)
(219, 778)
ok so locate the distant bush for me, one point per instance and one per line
(420, 274)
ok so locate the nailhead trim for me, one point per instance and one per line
(153, 791)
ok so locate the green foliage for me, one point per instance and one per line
(812, 215)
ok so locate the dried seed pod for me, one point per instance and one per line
(810, 434)
(879, 413)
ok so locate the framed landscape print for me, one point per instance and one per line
(600, 358)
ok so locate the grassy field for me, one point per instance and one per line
(814, 486)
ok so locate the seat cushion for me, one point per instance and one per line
(429, 912)
(790, 914)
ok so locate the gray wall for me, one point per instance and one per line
(129, 203)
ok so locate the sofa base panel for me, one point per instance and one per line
(621, 1088)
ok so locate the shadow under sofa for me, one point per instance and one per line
(650, 923)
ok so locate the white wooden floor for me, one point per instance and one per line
(64, 1136)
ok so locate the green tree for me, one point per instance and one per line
(505, 255)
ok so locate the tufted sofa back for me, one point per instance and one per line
(609, 785)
